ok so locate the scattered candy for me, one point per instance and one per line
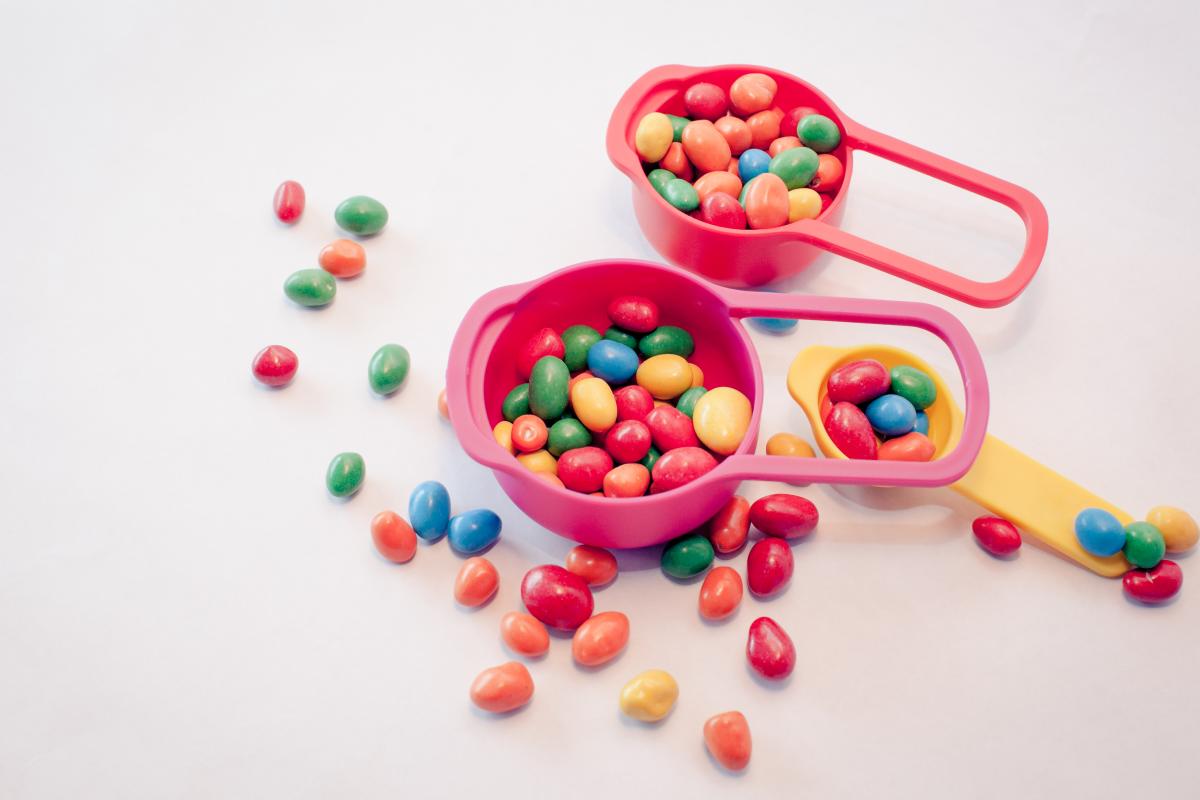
(721, 593)
(442, 406)
(429, 510)
(728, 529)
(770, 650)
(650, 696)
(343, 258)
(503, 688)
(600, 639)
(473, 531)
(769, 567)
(476, 582)
(275, 365)
(388, 368)
(345, 474)
(727, 737)
(310, 287)
(394, 537)
(997, 536)
(524, 635)
(362, 215)
(786, 515)
(1179, 530)
(558, 598)
(1099, 532)
(687, 556)
(289, 202)
(1144, 545)
(1155, 585)
(595, 565)
(789, 444)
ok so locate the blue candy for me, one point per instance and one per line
(1099, 532)
(774, 324)
(921, 426)
(612, 361)
(474, 530)
(891, 415)
(752, 163)
(429, 510)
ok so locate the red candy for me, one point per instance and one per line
(791, 120)
(1154, 585)
(829, 173)
(705, 101)
(528, 433)
(627, 441)
(556, 597)
(769, 566)
(849, 429)
(858, 382)
(289, 202)
(722, 210)
(677, 467)
(633, 402)
(543, 343)
(583, 469)
(912, 446)
(729, 528)
(770, 650)
(633, 313)
(671, 428)
(786, 515)
(998, 536)
(275, 365)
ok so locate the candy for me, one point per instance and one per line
(388, 368)
(548, 477)
(665, 376)
(721, 418)
(310, 287)
(651, 459)
(627, 480)
(997, 536)
(720, 182)
(539, 461)
(595, 565)
(612, 361)
(1099, 532)
(516, 402)
(577, 340)
(777, 325)
(769, 649)
(343, 258)
(345, 474)
(289, 202)
(723, 210)
(729, 527)
(679, 466)
(921, 425)
(687, 556)
(680, 194)
(912, 446)
(653, 136)
(752, 93)
(791, 119)
(1144, 545)
(524, 635)
(751, 164)
(676, 162)
(819, 132)
(558, 598)
(442, 406)
(393, 536)
(567, 434)
(781, 144)
(600, 639)
(829, 174)
(851, 432)
(789, 444)
(803, 204)
(650, 696)
(543, 343)
(502, 433)
(548, 387)
(476, 582)
(796, 166)
(769, 566)
(583, 469)
(705, 147)
(705, 101)
(628, 441)
(624, 337)
(727, 737)
(786, 515)
(670, 429)
(659, 178)
(274, 365)
(858, 382)
(594, 403)
(677, 126)
(687, 401)
(429, 510)
(914, 386)
(1155, 585)
(764, 128)
(736, 132)
(473, 531)
(891, 415)
(1178, 528)
(721, 593)
(362, 215)
(766, 201)
(633, 402)
(697, 376)
(503, 688)
(528, 433)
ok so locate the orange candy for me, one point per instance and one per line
(704, 146)
(503, 688)
(627, 480)
(736, 133)
(443, 409)
(343, 258)
(721, 593)
(909, 447)
(600, 639)
(751, 93)
(676, 161)
(781, 144)
(595, 565)
(477, 581)
(528, 433)
(766, 201)
(727, 737)
(394, 537)
(764, 128)
(719, 181)
(829, 173)
(524, 634)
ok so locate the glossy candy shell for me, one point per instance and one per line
(769, 649)
(769, 567)
(558, 598)
(503, 688)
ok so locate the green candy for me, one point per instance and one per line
(577, 340)
(819, 132)
(548, 383)
(388, 368)
(516, 403)
(1144, 545)
(677, 125)
(659, 178)
(914, 386)
(567, 434)
(796, 165)
(310, 287)
(667, 339)
(686, 556)
(652, 456)
(361, 214)
(682, 195)
(687, 401)
(624, 337)
(345, 474)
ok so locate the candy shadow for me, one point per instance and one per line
(769, 683)
(492, 716)
(1013, 556)
(585, 669)
(630, 722)
(1133, 601)
(472, 609)
(732, 773)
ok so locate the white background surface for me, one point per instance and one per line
(183, 610)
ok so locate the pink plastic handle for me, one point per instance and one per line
(978, 293)
(877, 312)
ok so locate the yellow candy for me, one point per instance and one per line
(1177, 526)
(789, 444)
(539, 461)
(665, 376)
(650, 696)
(502, 433)
(594, 404)
(697, 376)
(653, 136)
(803, 204)
(721, 418)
